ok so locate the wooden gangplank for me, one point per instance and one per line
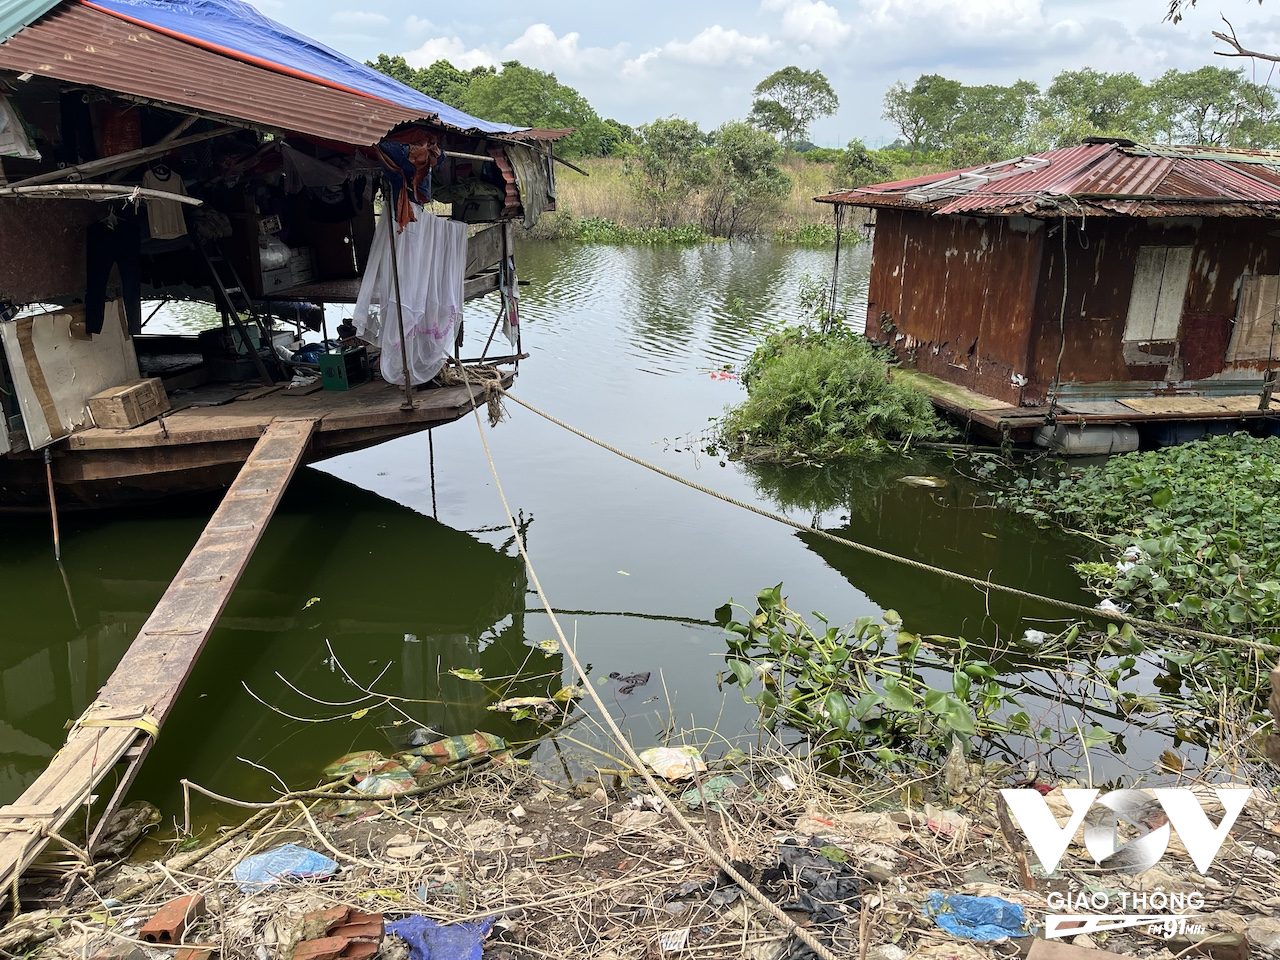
(123, 722)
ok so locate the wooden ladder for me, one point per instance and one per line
(121, 725)
(235, 303)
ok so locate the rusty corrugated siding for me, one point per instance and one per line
(1098, 179)
(80, 45)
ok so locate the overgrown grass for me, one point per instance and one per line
(1193, 530)
(583, 204)
(817, 395)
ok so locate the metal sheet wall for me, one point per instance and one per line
(955, 296)
(42, 254)
(1100, 262)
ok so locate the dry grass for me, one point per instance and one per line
(607, 194)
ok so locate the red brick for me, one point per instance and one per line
(360, 950)
(325, 948)
(171, 921)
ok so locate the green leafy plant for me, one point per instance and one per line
(821, 394)
(858, 688)
(1192, 531)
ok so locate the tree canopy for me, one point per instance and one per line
(788, 100)
(514, 94)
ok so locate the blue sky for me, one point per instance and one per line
(701, 60)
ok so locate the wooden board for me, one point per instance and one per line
(146, 683)
(55, 373)
(1192, 405)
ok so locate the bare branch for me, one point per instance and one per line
(1237, 49)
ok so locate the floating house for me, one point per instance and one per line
(157, 150)
(1090, 296)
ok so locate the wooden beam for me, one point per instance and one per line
(93, 168)
(124, 720)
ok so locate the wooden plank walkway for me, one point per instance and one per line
(122, 723)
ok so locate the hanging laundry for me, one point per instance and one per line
(431, 257)
(14, 141)
(509, 288)
(408, 169)
(164, 217)
(117, 240)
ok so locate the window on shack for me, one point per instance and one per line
(1159, 288)
(1253, 337)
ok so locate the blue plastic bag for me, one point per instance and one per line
(288, 862)
(981, 919)
(429, 940)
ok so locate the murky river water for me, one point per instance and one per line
(368, 575)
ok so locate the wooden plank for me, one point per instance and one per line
(139, 695)
(1203, 405)
(484, 249)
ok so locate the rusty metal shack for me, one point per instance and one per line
(162, 150)
(1116, 289)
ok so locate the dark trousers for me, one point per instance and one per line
(120, 245)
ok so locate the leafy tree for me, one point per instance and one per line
(535, 98)
(397, 68)
(993, 123)
(1213, 105)
(444, 81)
(745, 181)
(859, 166)
(925, 112)
(1089, 103)
(669, 165)
(790, 99)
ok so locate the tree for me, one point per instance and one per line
(993, 123)
(1213, 105)
(397, 68)
(745, 181)
(925, 112)
(1089, 103)
(535, 98)
(669, 165)
(790, 99)
(858, 167)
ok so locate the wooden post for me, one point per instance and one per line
(389, 210)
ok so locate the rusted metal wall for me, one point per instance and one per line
(955, 296)
(42, 254)
(1100, 260)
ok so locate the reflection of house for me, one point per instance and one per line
(202, 151)
(1109, 283)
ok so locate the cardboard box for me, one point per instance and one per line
(302, 265)
(129, 404)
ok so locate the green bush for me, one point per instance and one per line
(816, 395)
(599, 230)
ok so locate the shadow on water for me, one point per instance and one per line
(344, 580)
(948, 527)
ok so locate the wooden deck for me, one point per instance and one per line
(994, 417)
(199, 445)
(123, 722)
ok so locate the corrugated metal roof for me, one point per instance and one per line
(16, 14)
(81, 45)
(1110, 179)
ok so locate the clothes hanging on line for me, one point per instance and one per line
(509, 288)
(119, 244)
(431, 258)
(165, 220)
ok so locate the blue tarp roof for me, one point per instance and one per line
(237, 29)
(16, 14)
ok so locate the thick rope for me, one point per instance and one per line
(1078, 608)
(824, 952)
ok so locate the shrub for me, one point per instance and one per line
(815, 395)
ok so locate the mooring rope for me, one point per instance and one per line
(794, 929)
(1118, 616)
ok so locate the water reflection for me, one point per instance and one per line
(344, 582)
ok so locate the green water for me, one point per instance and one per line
(413, 581)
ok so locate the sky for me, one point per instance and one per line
(700, 60)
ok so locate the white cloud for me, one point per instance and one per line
(968, 20)
(451, 49)
(358, 19)
(540, 47)
(713, 47)
(416, 26)
(810, 22)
